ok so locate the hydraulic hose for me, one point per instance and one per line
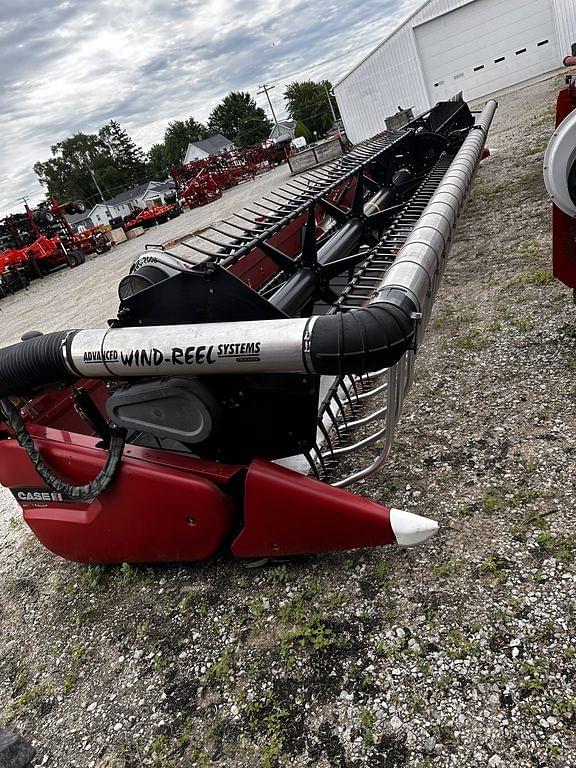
(86, 492)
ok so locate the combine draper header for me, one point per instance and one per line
(248, 375)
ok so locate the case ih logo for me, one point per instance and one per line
(36, 495)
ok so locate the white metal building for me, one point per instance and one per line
(448, 46)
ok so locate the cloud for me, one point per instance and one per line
(70, 66)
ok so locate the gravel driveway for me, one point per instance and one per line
(461, 652)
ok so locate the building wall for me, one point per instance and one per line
(391, 76)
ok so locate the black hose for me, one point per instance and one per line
(86, 492)
(34, 363)
(366, 339)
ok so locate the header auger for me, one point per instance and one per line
(229, 402)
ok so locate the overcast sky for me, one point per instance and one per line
(72, 65)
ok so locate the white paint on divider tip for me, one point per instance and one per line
(410, 529)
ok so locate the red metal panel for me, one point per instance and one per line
(564, 249)
(563, 226)
(286, 513)
(152, 512)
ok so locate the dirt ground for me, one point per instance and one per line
(460, 652)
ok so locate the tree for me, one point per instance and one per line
(239, 118)
(67, 174)
(178, 135)
(308, 103)
(301, 130)
(158, 164)
(129, 159)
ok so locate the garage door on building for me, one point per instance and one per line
(487, 45)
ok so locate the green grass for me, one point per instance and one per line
(538, 277)
(473, 341)
(447, 569)
(562, 546)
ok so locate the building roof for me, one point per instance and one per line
(284, 126)
(139, 191)
(78, 217)
(213, 144)
(394, 31)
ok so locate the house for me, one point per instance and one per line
(283, 130)
(478, 47)
(213, 145)
(123, 204)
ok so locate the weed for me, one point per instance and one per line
(78, 652)
(338, 599)
(95, 577)
(548, 116)
(568, 329)
(142, 630)
(486, 193)
(537, 277)
(265, 717)
(561, 546)
(535, 150)
(69, 682)
(452, 566)
(221, 669)
(160, 752)
(313, 635)
(494, 566)
(32, 698)
(534, 680)
(461, 647)
(473, 341)
(367, 720)
(135, 574)
(492, 501)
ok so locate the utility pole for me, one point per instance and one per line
(330, 102)
(24, 200)
(264, 89)
(100, 192)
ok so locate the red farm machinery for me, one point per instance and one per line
(560, 180)
(37, 241)
(156, 214)
(250, 378)
(201, 181)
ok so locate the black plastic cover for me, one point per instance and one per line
(178, 409)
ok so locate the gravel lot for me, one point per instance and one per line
(461, 652)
